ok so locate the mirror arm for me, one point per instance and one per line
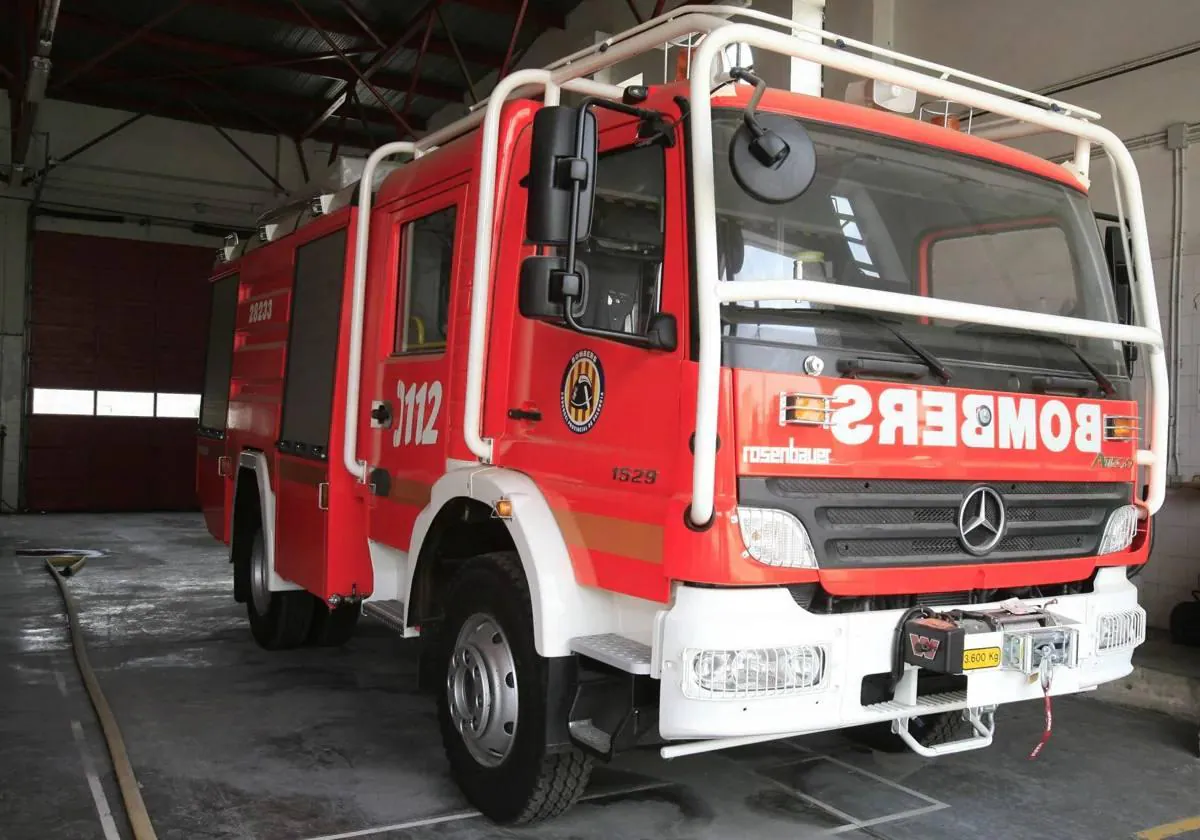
(628, 338)
(751, 109)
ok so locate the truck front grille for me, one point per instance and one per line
(863, 524)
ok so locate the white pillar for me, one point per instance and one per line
(807, 76)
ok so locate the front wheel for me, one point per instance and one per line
(492, 706)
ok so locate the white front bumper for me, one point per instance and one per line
(857, 644)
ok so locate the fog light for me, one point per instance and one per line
(758, 672)
(1119, 531)
(775, 538)
(1121, 630)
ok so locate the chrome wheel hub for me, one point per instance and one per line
(481, 686)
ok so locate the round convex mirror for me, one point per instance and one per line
(794, 164)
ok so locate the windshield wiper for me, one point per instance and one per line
(1106, 386)
(931, 361)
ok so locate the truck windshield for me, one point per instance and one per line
(889, 215)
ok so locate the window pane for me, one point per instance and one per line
(124, 404)
(623, 256)
(63, 401)
(178, 405)
(1017, 269)
(425, 272)
(219, 359)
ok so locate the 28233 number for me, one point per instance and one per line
(634, 476)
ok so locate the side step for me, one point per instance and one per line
(390, 613)
(617, 651)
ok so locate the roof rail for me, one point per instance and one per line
(708, 17)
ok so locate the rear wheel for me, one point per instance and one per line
(492, 704)
(332, 627)
(278, 620)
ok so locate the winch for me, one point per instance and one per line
(1015, 637)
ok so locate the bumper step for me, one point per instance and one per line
(390, 613)
(617, 651)
(947, 702)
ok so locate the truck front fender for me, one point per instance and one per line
(562, 608)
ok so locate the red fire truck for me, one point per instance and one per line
(698, 414)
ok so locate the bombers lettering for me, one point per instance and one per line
(906, 417)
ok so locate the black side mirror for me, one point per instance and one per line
(662, 332)
(562, 183)
(562, 180)
(545, 287)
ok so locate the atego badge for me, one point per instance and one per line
(582, 391)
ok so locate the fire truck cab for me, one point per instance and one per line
(697, 415)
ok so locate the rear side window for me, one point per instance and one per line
(312, 345)
(218, 364)
(426, 268)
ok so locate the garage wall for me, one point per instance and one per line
(156, 181)
(120, 319)
(1035, 45)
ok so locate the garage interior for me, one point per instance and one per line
(135, 136)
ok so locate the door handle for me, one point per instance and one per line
(223, 466)
(323, 496)
(381, 414)
(531, 414)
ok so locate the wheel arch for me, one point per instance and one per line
(562, 608)
(253, 505)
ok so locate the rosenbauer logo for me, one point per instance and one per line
(905, 417)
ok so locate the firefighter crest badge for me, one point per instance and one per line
(582, 392)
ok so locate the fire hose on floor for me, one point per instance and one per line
(61, 567)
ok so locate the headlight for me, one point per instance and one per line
(776, 538)
(758, 672)
(1119, 531)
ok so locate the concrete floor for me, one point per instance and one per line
(233, 742)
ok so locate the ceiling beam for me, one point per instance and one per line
(125, 40)
(540, 18)
(178, 110)
(242, 58)
(340, 95)
(347, 27)
(266, 101)
(364, 80)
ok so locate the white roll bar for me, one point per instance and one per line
(711, 292)
(362, 236)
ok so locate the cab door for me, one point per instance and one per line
(596, 420)
(411, 410)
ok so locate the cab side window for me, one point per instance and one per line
(623, 255)
(426, 264)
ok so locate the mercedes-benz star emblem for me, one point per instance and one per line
(984, 415)
(981, 520)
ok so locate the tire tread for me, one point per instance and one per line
(561, 778)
